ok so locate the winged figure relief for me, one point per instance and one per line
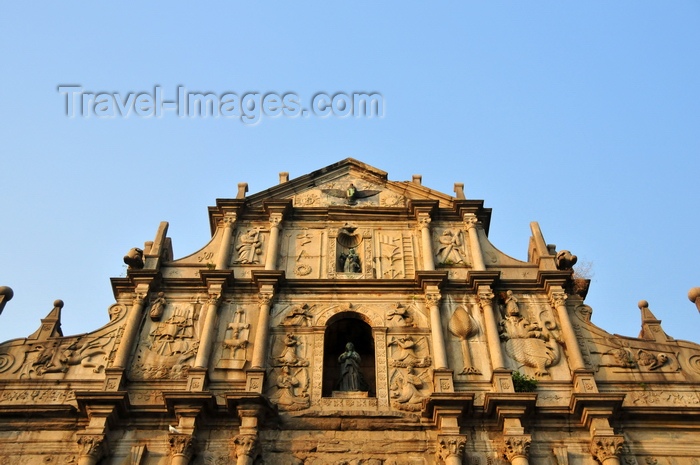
(351, 194)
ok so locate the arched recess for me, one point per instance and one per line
(343, 328)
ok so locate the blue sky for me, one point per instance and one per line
(583, 116)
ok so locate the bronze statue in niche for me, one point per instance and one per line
(350, 377)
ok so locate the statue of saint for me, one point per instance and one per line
(350, 262)
(350, 377)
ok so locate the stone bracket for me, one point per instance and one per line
(188, 406)
(102, 408)
(505, 406)
(445, 409)
(588, 407)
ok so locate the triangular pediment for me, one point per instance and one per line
(349, 183)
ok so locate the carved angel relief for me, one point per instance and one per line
(409, 352)
(290, 379)
(408, 388)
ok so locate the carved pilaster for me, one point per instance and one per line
(557, 298)
(485, 299)
(92, 448)
(273, 245)
(181, 445)
(516, 449)
(432, 301)
(426, 241)
(450, 450)
(470, 222)
(604, 448)
(260, 345)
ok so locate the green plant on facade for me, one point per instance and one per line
(523, 383)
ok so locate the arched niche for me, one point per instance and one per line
(343, 328)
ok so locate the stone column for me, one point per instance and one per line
(92, 448)
(181, 448)
(485, 298)
(223, 258)
(208, 331)
(131, 328)
(470, 221)
(432, 300)
(607, 449)
(516, 449)
(273, 244)
(262, 331)
(450, 450)
(246, 448)
(557, 298)
(426, 241)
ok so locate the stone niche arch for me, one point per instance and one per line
(343, 328)
(326, 369)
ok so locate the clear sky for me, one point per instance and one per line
(583, 116)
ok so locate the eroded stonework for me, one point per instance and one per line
(236, 353)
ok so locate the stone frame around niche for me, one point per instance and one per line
(379, 333)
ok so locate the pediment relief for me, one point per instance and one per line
(349, 191)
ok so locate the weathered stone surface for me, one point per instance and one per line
(231, 354)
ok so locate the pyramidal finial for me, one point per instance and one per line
(651, 326)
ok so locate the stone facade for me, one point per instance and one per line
(231, 354)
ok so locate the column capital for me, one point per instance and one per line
(557, 298)
(433, 298)
(265, 298)
(92, 445)
(214, 298)
(605, 447)
(485, 297)
(246, 444)
(229, 219)
(450, 446)
(470, 220)
(276, 220)
(424, 220)
(516, 446)
(181, 445)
